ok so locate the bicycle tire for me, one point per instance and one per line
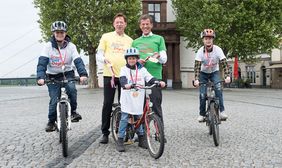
(156, 136)
(115, 123)
(63, 130)
(209, 123)
(214, 124)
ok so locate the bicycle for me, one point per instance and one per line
(153, 125)
(63, 113)
(212, 118)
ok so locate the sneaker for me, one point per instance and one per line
(51, 126)
(104, 139)
(142, 142)
(223, 115)
(201, 118)
(75, 117)
(119, 145)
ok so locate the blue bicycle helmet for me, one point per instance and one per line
(132, 52)
(59, 26)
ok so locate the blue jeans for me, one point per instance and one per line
(54, 94)
(215, 78)
(123, 124)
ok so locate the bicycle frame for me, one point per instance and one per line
(62, 100)
(147, 109)
(211, 97)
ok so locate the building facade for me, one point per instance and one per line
(178, 72)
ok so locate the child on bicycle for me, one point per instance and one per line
(132, 101)
(55, 62)
(206, 68)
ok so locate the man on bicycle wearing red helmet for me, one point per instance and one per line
(206, 68)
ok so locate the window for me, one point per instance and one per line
(154, 9)
(251, 73)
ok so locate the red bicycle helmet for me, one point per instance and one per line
(208, 33)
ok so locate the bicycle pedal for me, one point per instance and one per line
(74, 120)
(223, 119)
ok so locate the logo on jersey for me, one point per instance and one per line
(55, 61)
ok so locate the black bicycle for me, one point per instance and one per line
(115, 118)
(212, 118)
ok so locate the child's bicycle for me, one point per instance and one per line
(63, 113)
(212, 118)
(152, 125)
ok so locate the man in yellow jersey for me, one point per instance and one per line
(110, 52)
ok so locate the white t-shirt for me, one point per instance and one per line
(210, 60)
(68, 54)
(132, 101)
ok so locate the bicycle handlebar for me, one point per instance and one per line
(209, 82)
(137, 87)
(52, 80)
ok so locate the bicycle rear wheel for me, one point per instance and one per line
(154, 135)
(115, 123)
(214, 124)
(63, 129)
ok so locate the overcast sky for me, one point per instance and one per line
(19, 38)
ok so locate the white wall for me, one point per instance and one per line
(187, 56)
(276, 55)
(170, 14)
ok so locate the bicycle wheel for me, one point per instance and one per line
(154, 135)
(214, 124)
(63, 130)
(209, 123)
(115, 123)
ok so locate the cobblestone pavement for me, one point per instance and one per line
(251, 137)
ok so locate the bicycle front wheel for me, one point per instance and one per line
(115, 123)
(214, 124)
(154, 135)
(63, 129)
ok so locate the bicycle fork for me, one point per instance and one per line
(64, 102)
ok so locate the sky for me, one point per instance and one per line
(19, 38)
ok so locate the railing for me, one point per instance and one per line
(22, 81)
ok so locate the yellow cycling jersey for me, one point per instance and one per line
(114, 47)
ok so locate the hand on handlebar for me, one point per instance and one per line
(127, 86)
(227, 79)
(162, 84)
(41, 82)
(83, 80)
(196, 83)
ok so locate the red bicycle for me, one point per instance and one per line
(153, 126)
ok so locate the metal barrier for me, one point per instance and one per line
(22, 81)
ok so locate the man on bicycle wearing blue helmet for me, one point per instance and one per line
(206, 68)
(55, 62)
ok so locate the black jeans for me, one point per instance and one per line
(109, 95)
(156, 99)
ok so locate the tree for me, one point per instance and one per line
(87, 21)
(243, 28)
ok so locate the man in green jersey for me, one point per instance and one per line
(152, 55)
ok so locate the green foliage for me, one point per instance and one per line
(243, 27)
(87, 20)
